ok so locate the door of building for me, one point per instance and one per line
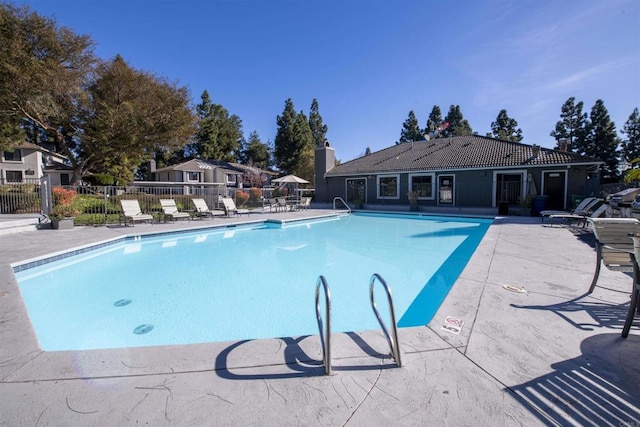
(445, 189)
(555, 184)
(357, 191)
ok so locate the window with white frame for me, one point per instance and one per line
(423, 185)
(14, 176)
(231, 179)
(389, 187)
(13, 156)
(193, 176)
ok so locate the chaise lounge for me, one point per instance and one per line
(171, 211)
(131, 211)
(613, 244)
(203, 210)
(230, 207)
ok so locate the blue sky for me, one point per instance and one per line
(370, 62)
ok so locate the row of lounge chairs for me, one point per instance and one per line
(132, 212)
(590, 207)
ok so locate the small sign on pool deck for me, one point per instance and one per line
(452, 324)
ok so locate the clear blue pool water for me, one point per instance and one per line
(247, 282)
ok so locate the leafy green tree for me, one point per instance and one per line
(572, 126)
(44, 70)
(602, 141)
(293, 144)
(256, 152)
(433, 121)
(458, 125)
(410, 129)
(318, 129)
(631, 144)
(506, 128)
(218, 135)
(130, 115)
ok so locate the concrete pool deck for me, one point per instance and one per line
(550, 355)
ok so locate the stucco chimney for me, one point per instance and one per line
(563, 144)
(325, 160)
(536, 150)
(152, 170)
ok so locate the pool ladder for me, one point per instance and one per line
(325, 333)
(340, 199)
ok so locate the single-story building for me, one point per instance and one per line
(27, 163)
(462, 171)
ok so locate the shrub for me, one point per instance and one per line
(241, 198)
(62, 196)
(255, 194)
(64, 206)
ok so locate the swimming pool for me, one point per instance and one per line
(247, 281)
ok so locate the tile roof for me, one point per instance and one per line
(460, 152)
(196, 165)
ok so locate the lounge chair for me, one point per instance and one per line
(270, 203)
(230, 207)
(613, 244)
(132, 212)
(171, 210)
(634, 304)
(281, 204)
(305, 203)
(570, 218)
(583, 208)
(202, 209)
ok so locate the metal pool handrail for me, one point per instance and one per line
(393, 345)
(325, 338)
(343, 202)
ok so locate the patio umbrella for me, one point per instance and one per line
(290, 179)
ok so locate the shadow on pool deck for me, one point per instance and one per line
(551, 355)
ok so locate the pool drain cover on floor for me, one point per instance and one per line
(122, 302)
(142, 329)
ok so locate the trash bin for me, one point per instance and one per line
(503, 208)
(539, 203)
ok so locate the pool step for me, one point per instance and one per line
(17, 225)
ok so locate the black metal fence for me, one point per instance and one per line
(98, 205)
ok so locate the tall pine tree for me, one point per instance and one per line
(318, 129)
(506, 128)
(602, 141)
(572, 126)
(458, 125)
(219, 135)
(410, 129)
(256, 153)
(293, 142)
(631, 144)
(433, 121)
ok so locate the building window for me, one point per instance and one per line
(64, 179)
(193, 176)
(388, 187)
(13, 156)
(14, 176)
(231, 179)
(423, 185)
